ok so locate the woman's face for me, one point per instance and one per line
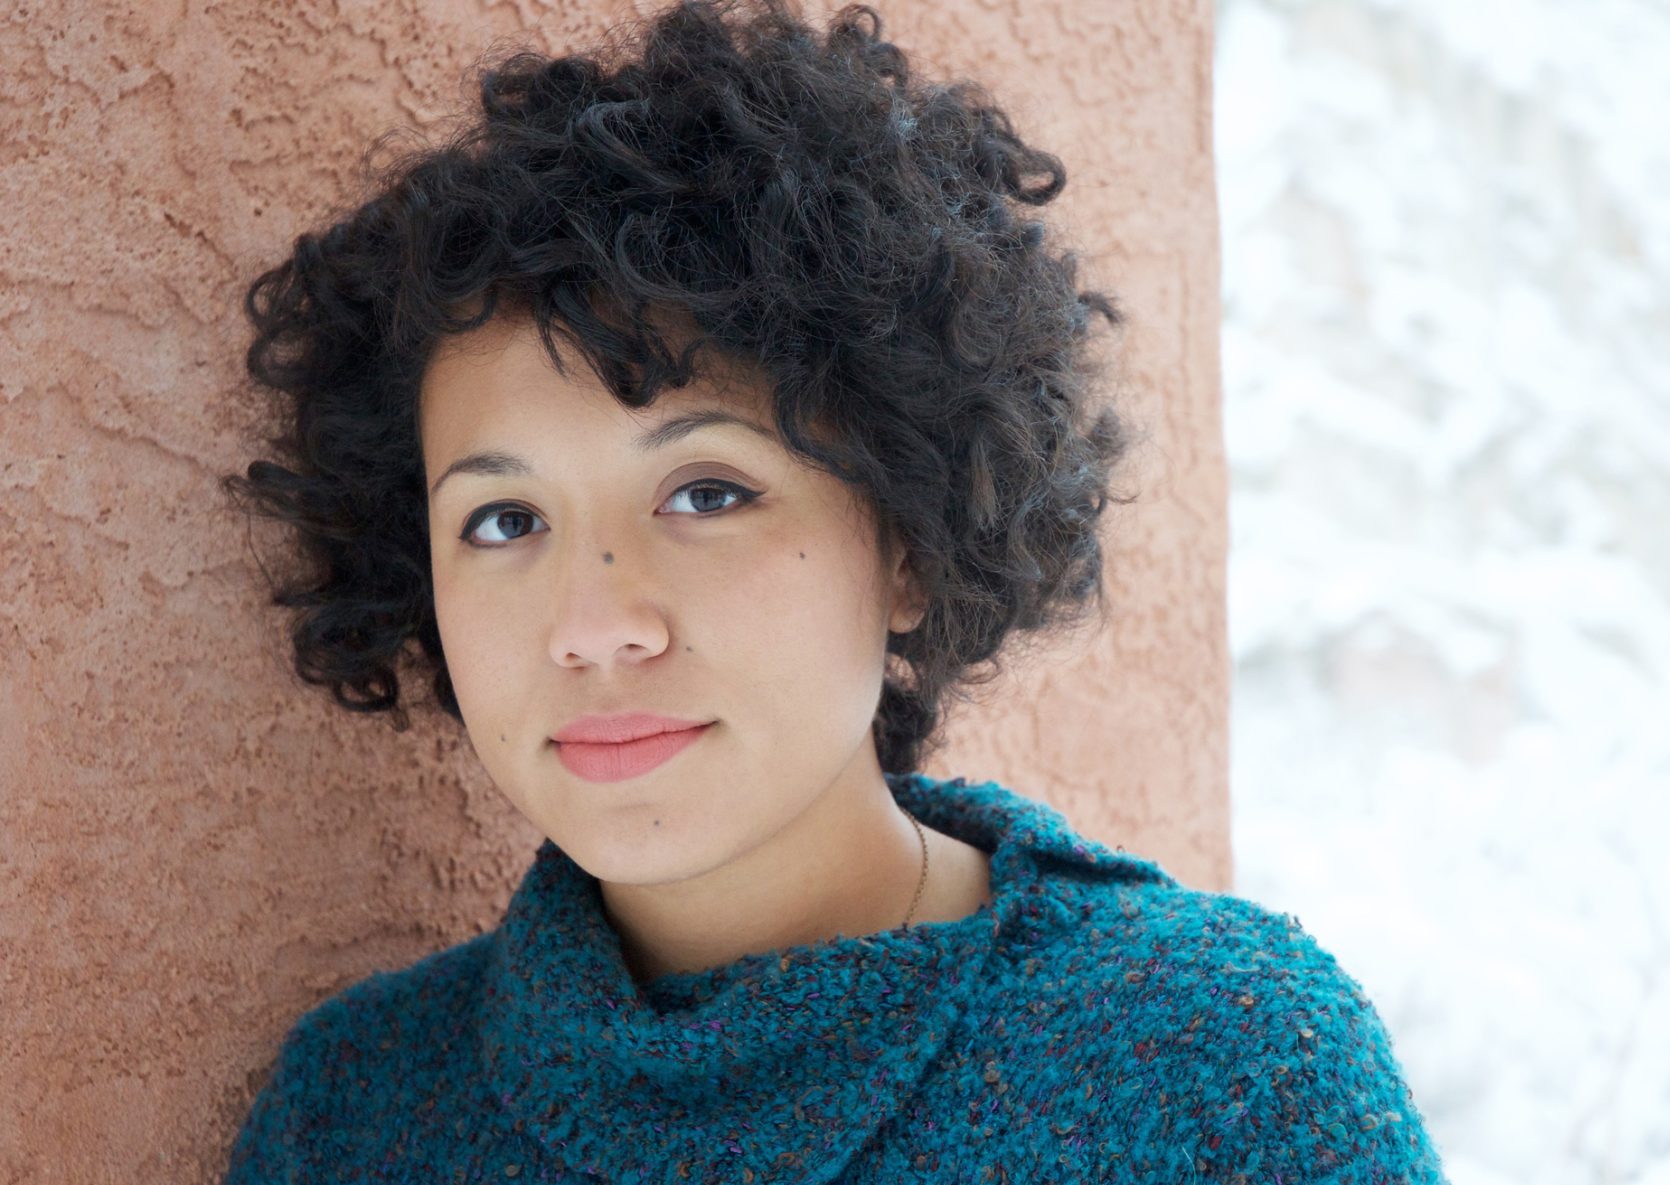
(709, 577)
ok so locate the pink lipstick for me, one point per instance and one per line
(614, 748)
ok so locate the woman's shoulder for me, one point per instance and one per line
(387, 1001)
(1189, 951)
(1180, 994)
(360, 1062)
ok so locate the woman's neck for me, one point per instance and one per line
(848, 865)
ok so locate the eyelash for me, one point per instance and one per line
(743, 493)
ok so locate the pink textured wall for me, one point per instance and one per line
(193, 848)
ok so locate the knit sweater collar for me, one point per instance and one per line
(776, 1067)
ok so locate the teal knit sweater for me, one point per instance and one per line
(1096, 1022)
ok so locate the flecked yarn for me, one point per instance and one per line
(1096, 1022)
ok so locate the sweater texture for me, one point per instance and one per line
(1097, 1021)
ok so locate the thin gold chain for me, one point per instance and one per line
(922, 880)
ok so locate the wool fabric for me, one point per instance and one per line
(1095, 1021)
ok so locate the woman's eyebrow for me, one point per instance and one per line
(495, 462)
(679, 427)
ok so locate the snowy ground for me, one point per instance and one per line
(1446, 234)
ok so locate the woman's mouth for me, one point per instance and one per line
(601, 762)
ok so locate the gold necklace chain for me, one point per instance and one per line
(922, 880)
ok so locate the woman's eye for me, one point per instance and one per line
(702, 505)
(487, 515)
(708, 504)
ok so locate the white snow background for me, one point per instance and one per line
(1446, 280)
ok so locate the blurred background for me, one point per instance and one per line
(1446, 279)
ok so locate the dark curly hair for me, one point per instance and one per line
(806, 205)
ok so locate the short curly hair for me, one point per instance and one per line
(806, 205)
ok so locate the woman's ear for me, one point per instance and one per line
(908, 605)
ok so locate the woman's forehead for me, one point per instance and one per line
(504, 363)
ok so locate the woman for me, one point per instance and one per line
(706, 414)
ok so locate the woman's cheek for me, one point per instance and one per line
(474, 639)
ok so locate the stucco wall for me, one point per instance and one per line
(194, 848)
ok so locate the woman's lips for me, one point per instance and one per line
(627, 759)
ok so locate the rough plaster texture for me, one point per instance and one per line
(194, 848)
